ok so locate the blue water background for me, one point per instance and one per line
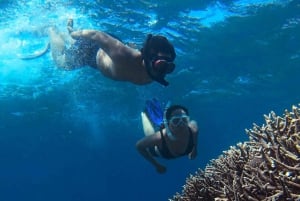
(70, 135)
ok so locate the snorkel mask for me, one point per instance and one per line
(179, 120)
(175, 120)
(163, 64)
(158, 66)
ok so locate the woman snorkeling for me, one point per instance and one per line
(176, 137)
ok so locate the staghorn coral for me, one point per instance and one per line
(267, 167)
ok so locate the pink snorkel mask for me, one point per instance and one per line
(163, 65)
(158, 66)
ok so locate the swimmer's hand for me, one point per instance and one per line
(84, 34)
(70, 25)
(97, 36)
(79, 34)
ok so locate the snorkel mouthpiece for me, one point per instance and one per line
(163, 65)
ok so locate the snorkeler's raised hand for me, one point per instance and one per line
(87, 34)
(104, 40)
(70, 24)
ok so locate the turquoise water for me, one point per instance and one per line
(70, 135)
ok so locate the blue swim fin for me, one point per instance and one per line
(155, 112)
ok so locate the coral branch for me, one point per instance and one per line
(267, 167)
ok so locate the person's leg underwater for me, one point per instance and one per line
(58, 46)
(147, 125)
(152, 116)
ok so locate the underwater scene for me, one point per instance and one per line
(70, 135)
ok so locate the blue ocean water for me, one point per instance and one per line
(70, 135)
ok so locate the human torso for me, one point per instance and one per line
(175, 148)
(126, 65)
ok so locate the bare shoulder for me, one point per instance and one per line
(154, 137)
(194, 126)
(150, 140)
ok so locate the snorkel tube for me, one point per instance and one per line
(169, 133)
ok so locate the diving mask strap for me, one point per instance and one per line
(169, 133)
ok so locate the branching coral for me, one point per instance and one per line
(267, 167)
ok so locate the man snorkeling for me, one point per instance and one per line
(177, 136)
(114, 59)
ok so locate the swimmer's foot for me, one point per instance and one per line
(70, 25)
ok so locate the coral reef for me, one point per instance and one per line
(267, 167)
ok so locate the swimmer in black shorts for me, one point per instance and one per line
(114, 59)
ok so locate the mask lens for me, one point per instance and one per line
(178, 120)
(163, 66)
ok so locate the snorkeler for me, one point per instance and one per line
(114, 59)
(176, 137)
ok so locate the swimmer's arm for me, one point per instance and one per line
(109, 44)
(194, 127)
(143, 145)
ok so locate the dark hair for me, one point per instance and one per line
(157, 44)
(173, 108)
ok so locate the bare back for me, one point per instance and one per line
(114, 59)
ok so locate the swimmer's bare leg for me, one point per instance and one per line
(58, 46)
